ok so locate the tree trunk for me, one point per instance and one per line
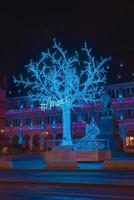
(66, 123)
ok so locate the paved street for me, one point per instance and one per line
(26, 192)
(117, 178)
(30, 180)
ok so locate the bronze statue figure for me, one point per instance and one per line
(105, 104)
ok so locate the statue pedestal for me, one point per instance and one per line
(60, 159)
(106, 126)
(69, 159)
(92, 156)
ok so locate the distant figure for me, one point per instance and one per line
(105, 104)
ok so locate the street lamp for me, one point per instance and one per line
(42, 126)
(10, 138)
(121, 98)
(20, 134)
(54, 128)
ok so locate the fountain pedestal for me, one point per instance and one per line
(106, 127)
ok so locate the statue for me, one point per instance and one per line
(92, 128)
(89, 141)
(105, 104)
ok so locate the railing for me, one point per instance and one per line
(78, 145)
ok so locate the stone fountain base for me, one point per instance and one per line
(70, 156)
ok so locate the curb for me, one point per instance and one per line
(69, 170)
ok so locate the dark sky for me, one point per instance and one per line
(28, 28)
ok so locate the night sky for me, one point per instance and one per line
(28, 28)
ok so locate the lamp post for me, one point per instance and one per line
(10, 138)
(42, 136)
(120, 98)
(20, 134)
(54, 128)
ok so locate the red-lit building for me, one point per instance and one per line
(3, 138)
(37, 126)
(2, 109)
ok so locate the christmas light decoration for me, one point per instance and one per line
(54, 81)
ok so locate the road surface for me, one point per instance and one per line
(79, 177)
(13, 192)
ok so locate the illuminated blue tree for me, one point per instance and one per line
(54, 81)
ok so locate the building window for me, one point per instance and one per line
(75, 117)
(117, 94)
(132, 91)
(130, 142)
(16, 121)
(36, 104)
(26, 121)
(113, 93)
(38, 120)
(86, 117)
(58, 119)
(132, 113)
(127, 92)
(109, 92)
(49, 119)
(8, 122)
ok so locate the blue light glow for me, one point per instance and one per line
(21, 107)
(121, 65)
(54, 125)
(119, 76)
(31, 107)
(121, 116)
(42, 126)
(31, 125)
(20, 134)
(120, 95)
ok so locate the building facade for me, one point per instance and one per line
(25, 117)
(2, 111)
